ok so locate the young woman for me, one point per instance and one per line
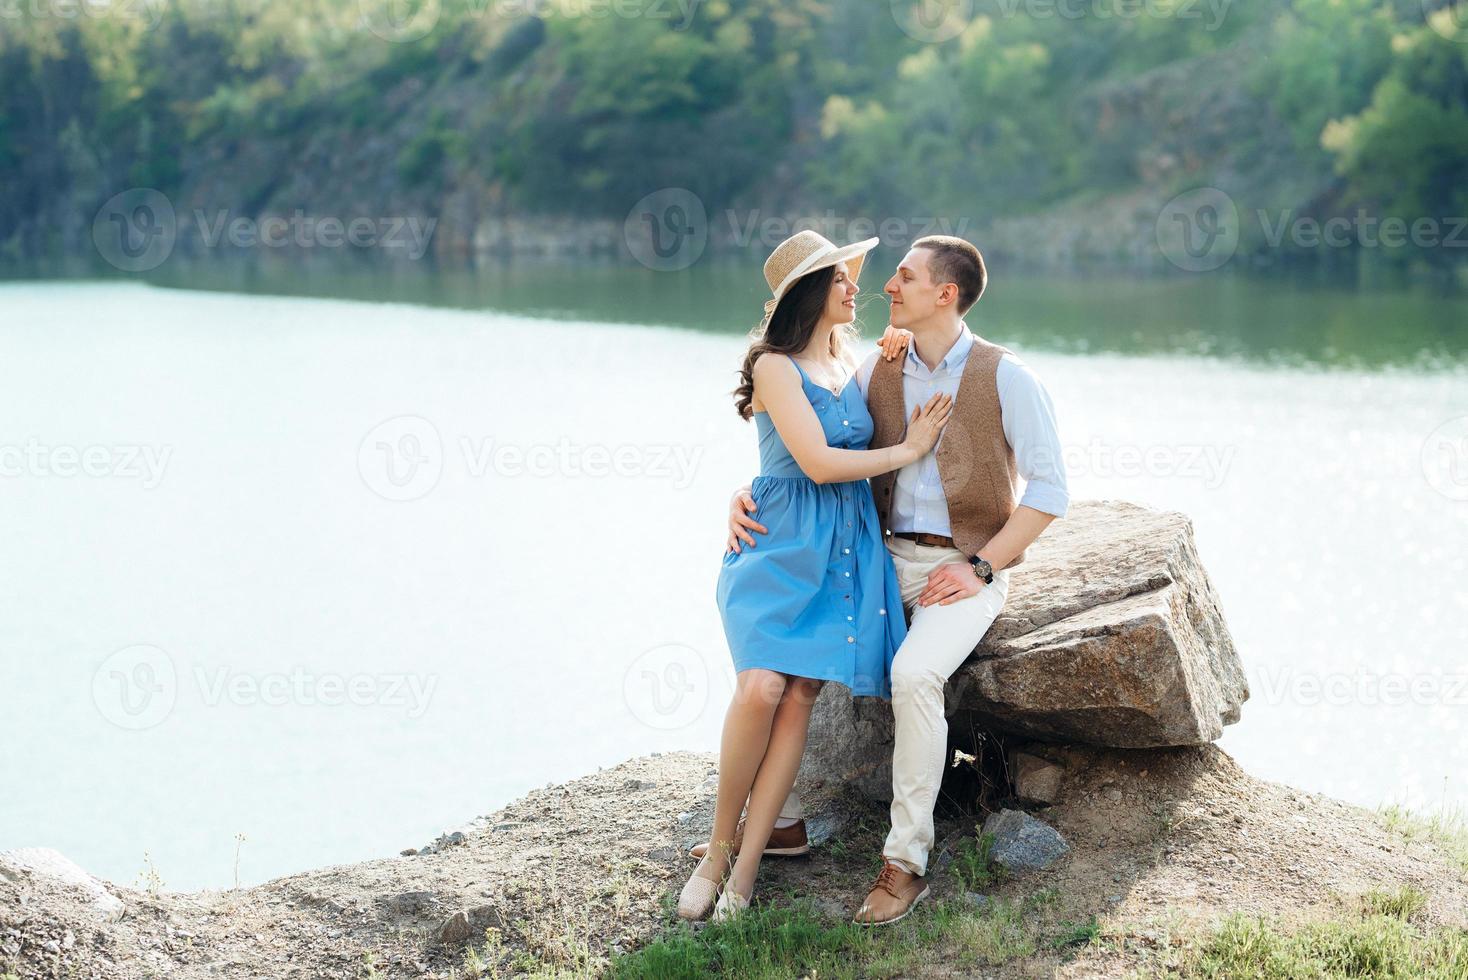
(818, 600)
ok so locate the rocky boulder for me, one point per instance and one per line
(1112, 636)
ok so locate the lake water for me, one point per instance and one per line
(345, 566)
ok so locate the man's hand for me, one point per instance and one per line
(894, 341)
(950, 583)
(741, 505)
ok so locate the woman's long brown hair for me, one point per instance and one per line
(790, 329)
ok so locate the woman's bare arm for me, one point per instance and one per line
(778, 388)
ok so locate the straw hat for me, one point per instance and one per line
(805, 252)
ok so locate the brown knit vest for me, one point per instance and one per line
(975, 460)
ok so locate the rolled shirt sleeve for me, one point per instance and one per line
(1029, 425)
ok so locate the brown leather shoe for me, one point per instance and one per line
(785, 842)
(896, 893)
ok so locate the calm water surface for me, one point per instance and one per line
(338, 558)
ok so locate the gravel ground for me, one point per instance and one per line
(1163, 843)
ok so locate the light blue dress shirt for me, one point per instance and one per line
(1028, 418)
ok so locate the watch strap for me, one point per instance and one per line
(975, 563)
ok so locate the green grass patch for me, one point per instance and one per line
(1448, 828)
(1378, 942)
(796, 940)
(973, 862)
(1402, 904)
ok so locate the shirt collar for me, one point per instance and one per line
(953, 360)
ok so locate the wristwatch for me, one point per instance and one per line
(982, 569)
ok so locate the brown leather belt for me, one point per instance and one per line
(923, 537)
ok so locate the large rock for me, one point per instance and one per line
(1112, 635)
(1022, 843)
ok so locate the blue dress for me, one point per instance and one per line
(818, 597)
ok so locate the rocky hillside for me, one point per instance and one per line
(1162, 845)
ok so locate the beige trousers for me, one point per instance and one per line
(939, 639)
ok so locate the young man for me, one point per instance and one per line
(953, 522)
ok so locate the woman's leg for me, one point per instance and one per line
(747, 724)
(775, 778)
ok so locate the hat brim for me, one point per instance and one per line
(854, 253)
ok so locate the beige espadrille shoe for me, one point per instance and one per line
(697, 898)
(730, 904)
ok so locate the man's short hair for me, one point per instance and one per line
(959, 262)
